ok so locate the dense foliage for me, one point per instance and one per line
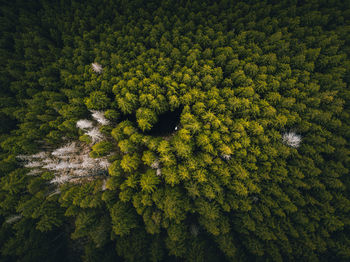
(255, 164)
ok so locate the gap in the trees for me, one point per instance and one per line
(130, 117)
(166, 124)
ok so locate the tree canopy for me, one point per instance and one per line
(175, 130)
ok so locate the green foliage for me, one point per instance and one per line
(145, 118)
(112, 114)
(222, 185)
(101, 149)
(123, 218)
(149, 181)
(97, 100)
(130, 163)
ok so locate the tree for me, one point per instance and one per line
(100, 149)
(123, 219)
(149, 181)
(130, 163)
(97, 101)
(145, 118)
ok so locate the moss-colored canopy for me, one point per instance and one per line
(255, 164)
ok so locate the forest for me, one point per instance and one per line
(195, 131)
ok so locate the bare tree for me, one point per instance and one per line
(291, 139)
(96, 67)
